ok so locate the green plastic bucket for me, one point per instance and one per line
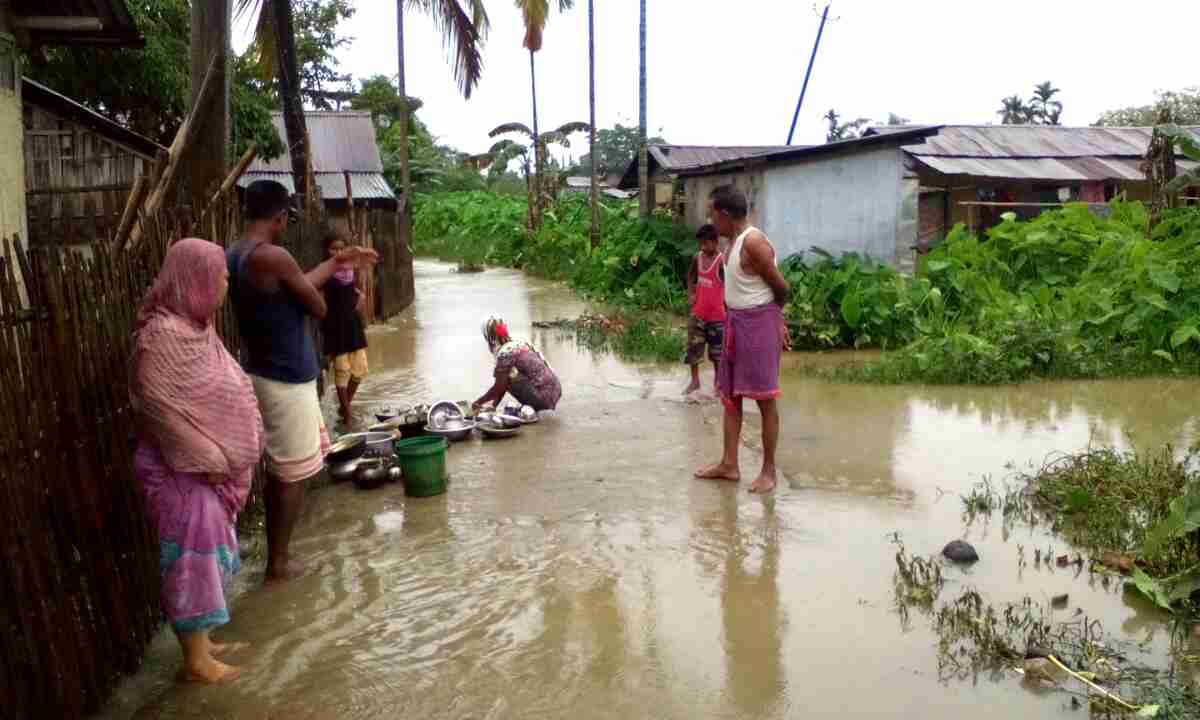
(423, 462)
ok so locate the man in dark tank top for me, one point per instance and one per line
(273, 300)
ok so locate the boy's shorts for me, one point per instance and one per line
(351, 366)
(702, 333)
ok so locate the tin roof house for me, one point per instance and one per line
(345, 159)
(892, 192)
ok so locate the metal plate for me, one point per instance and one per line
(495, 432)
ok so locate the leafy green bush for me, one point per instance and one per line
(1069, 294)
(639, 264)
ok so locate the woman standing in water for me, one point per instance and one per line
(199, 438)
(520, 370)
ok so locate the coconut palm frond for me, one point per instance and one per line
(534, 14)
(572, 128)
(503, 146)
(266, 40)
(462, 36)
(516, 127)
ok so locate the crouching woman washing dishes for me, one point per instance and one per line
(199, 437)
(520, 371)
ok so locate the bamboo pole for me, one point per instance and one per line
(230, 180)
(183, 139)
(136, 197)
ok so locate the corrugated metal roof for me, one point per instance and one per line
(1065, 169)
(1036, 141)
(797, 152)
(365, 186)
(678, 158)
(116, 24)
(338, 141)
(674, 158)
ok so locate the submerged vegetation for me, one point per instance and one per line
(1029, 640)
(1133, 513)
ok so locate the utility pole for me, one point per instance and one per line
(645, 203)
(209, 158)
(808, 72)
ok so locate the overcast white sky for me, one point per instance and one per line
(729, 73)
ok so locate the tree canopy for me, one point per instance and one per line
(616, 147)
(1183, 106)
(1040, 109)
(148, 90)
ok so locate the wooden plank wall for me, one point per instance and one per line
(76, 181)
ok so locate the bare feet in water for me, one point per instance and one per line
(212, 672)
(720, 471)
(291, 570)
(765, 483)
(692, 387)
(218, 649)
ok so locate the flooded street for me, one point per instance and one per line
(579, 571)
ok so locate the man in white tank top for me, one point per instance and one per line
(755, 336)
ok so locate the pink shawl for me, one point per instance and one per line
(190, 397)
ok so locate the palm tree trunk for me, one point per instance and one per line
(535, 199)
(289, 93)
(401, 256)
(643, 160)
(405, 175)
(595, 191)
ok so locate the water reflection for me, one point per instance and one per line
(751, 617)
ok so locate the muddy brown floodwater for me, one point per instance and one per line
(579, 571)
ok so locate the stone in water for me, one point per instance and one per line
(960, 552)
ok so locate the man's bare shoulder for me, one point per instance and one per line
(270, 258)
(756, 242)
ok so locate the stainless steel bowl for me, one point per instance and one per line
(341, 472)
(528, 414)
(454, 431)
(506, 421)
(378, 444)
(491, 431)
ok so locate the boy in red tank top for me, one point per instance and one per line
(706, 293)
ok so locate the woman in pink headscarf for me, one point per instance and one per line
(199, 439)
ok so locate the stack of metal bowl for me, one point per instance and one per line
(446, 419)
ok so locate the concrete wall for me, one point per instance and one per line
(12, 155)
(840, 203)
(854, 202)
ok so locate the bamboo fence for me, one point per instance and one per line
(79, 581)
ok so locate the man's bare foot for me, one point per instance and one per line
(212, 672)
(692, 387)
(291, 570)
(720, 471)
(764, 484)
(219, 649)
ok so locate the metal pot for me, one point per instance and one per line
(347, 448)
(377, 444)
(371, 474)
(343, 471)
